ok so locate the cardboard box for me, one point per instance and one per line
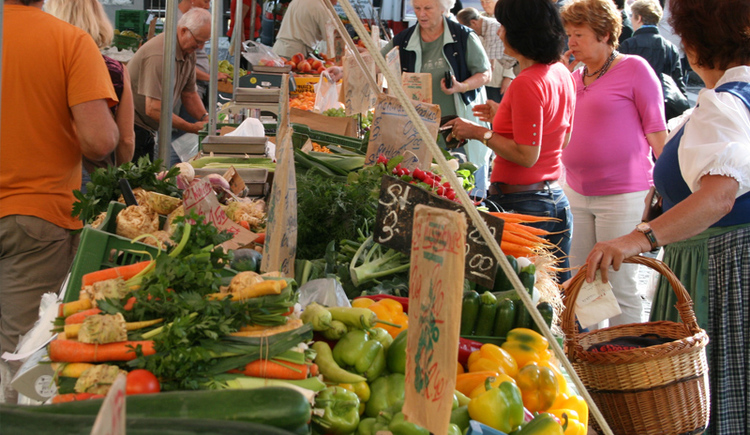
(304, 84)
(344, 126)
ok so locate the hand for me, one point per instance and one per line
(463, 129)
(505, 84)
(223, 76)
(198, 126)
(336, 73)
(566, 60)
(458, 87)
(613, 252)
(486, 112)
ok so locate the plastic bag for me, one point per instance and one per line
(325, 291)
(261, 55)
(326, 94)
(186, 146)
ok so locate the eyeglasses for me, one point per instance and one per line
(197, 41)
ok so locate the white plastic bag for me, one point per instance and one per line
(186, 146)
(326, 94)
(261, 55)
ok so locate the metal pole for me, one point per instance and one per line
(238, 36)
(213, 81)
(472, 211)
(253, 16)
(167, 81)
(1, 51)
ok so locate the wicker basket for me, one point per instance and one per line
(659, 389)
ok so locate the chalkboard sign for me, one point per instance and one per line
(395, 217)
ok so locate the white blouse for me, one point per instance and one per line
(717, 138)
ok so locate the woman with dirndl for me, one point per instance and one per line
(703, 175)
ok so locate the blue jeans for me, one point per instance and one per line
(550, 202)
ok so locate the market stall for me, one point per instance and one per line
(357, 290)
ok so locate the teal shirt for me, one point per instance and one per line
(433, 62)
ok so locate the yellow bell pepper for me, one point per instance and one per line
(494, 383)
(390, 311)
(538, 387)
(576, 404)
(526, 346)
(362, 302)
(528, 337)
(362, 390)
(574, 427)
(562, 383)
(492, 358)
(460, 369)
(499, 408)
(466, 382)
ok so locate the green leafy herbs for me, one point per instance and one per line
(104, 186)
(332, 210)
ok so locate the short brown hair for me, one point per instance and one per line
(718, 32)
(599, 15)
(649, 10)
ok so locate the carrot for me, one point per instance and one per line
(80, 316)
(515, 250)
(124, 272)
(74, 397)
(523, 228)
(244, 224)
(314, 369)
(273, 369)
(266, 331)
(69, 308)
(71, 370)
(261, 239)
(129, 304)
(74, 351)
(524, 240)
(263, 288)
(519, 217)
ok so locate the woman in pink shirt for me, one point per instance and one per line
(619, 122)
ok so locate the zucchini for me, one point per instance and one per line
(502, 282)
(22, 421)
(547, 312)
(528, 278)
(279, 407)
(469, 311)
(505, 318)
(486, 317)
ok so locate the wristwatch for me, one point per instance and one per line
(487, 136)
(645, 228)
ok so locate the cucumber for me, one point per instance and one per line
(527, 277)
(19, 420)
(547, 312)
(502, 282)
(469, 311)
(505, 318)
(486, 317)
(279, 407)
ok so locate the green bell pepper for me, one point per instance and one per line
(543, 423)
(453, 429)
(396, 357)
(381, 335)
(386, 393)
(399, 426)
(358, 352)
(460, 417)
(341, 411)
(500, 408)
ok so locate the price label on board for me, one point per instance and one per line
(393, 134)
(436, 280)
(111, 417)
(395, 218)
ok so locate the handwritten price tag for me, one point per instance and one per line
(435, 287)
(395, 218)
(201, 199)
(111, 417)
(393, 133)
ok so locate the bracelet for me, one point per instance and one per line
(205, 115)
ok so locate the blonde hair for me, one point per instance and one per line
(87, 15)
(601, 16)
(649, 11)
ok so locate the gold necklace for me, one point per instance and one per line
(604, 67)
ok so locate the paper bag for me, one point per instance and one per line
(393, 133)
(418, 86)
(343, 126)
(435, 293)
(393, 60)
(357, 94)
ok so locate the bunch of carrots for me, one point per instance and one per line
(521, 239)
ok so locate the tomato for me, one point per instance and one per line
(142, 381)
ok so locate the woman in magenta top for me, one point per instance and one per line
(532, 124)
(619, 124)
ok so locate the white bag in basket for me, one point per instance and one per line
(326, 94)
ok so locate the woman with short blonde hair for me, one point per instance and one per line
(88, 15)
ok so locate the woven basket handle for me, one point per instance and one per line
(684, 304)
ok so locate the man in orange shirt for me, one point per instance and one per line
(56, 92)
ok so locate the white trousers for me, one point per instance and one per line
(601, 218)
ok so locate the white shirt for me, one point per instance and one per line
(716, 141)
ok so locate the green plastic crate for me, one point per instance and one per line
(301, 133)
(126, 42)
(134, 20)
(101, 250)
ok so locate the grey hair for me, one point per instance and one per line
(466, 15)
(447, 5)
(195, 19)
